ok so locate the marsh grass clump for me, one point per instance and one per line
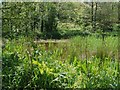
(94, 47)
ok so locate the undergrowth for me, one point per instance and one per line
(83, 62)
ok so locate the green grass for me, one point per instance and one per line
(83, 62)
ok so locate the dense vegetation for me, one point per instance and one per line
(60, 45)
(58, 20)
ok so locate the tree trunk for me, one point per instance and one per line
(42, 18)
(92, 14)
(42, 25)
(95, 16)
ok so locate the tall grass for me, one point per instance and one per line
(30, 65)
(93, 46)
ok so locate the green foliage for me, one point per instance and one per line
(28, 65)
(51, 19)
(85, 60)
(26, 18)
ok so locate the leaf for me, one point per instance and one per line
(84, 69)
(44, 65)
(34, 62)
(47, 70)
(41, 71)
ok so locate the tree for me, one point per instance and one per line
(51, 19)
